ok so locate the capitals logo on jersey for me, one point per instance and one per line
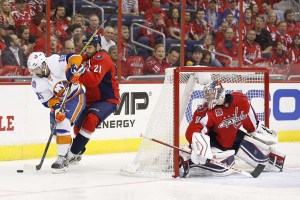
(235, 120)
(59, 88)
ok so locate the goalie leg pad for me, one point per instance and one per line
(276, 161)
(201, 150)
(209, 169)
(253, 152)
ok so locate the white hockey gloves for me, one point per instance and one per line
(265, 135)
(201, 150)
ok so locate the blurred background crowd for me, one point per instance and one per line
(152, 35)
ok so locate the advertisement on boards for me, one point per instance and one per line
(23, 120)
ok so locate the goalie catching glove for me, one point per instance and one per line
(201, 150)
(55, 106)
(74, 72)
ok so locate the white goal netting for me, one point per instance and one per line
(154, 159)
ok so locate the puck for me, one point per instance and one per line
(20, 171)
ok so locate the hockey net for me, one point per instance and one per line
(180, 95)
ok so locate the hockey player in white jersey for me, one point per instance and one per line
(49, 82)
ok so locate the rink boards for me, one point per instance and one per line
(24, 122)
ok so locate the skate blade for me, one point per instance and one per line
(60, 171)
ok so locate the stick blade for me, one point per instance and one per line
(258, 170)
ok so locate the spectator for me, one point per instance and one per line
(69, 47)
(36, 6)
(78, 19)
(171, 3)
(294, 50)
(144, 5)
(227, 47)
(3, 33)
(173, 24)
(282, 36)
(263, 37)
(229, 19)
(212, 16)
(267, 7)
(279, 59)
(232, 9)
(13, 55)
(246, 4)
(130, 7)
(94, 24)
(157, 23)
(209, 45)
(189, 28)
(78, 38)
(292, 28)
(172, 57)
(248, 22)
(127, 47)
(55, 45)
(113, 53)
(155, 5)
(272, 22)
(202, 28)
(196, 57)
(221, 32)
(106, 39)
(21, 16)
(255, 11)
(38, 25)
(156, 64)
(251, 50)
(23, 34)
(6, 16)
(206, 59)
(74, 29)
(61, 22)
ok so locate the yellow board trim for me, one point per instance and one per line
(33, 151)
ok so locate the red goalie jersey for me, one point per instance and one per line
(225, 120)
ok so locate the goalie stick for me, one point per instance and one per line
(254, 174)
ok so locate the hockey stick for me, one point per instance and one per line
(255, 173)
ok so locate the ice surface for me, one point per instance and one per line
(98, 177)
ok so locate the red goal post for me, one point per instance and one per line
(180, 95)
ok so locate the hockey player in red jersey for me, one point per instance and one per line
(214, 132)
(102, 95)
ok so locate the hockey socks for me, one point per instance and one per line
(79, 143)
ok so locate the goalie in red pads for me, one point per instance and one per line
(214, 132)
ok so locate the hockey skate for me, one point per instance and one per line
(74, 159)
(60, 165)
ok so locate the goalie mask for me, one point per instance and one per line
(37, 64)
(214, 93)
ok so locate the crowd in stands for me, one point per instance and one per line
(212, 34)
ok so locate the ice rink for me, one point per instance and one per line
(97, 177)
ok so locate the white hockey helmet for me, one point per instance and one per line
(214, 92)
(35, 62)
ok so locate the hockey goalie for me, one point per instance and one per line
(215, 133)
